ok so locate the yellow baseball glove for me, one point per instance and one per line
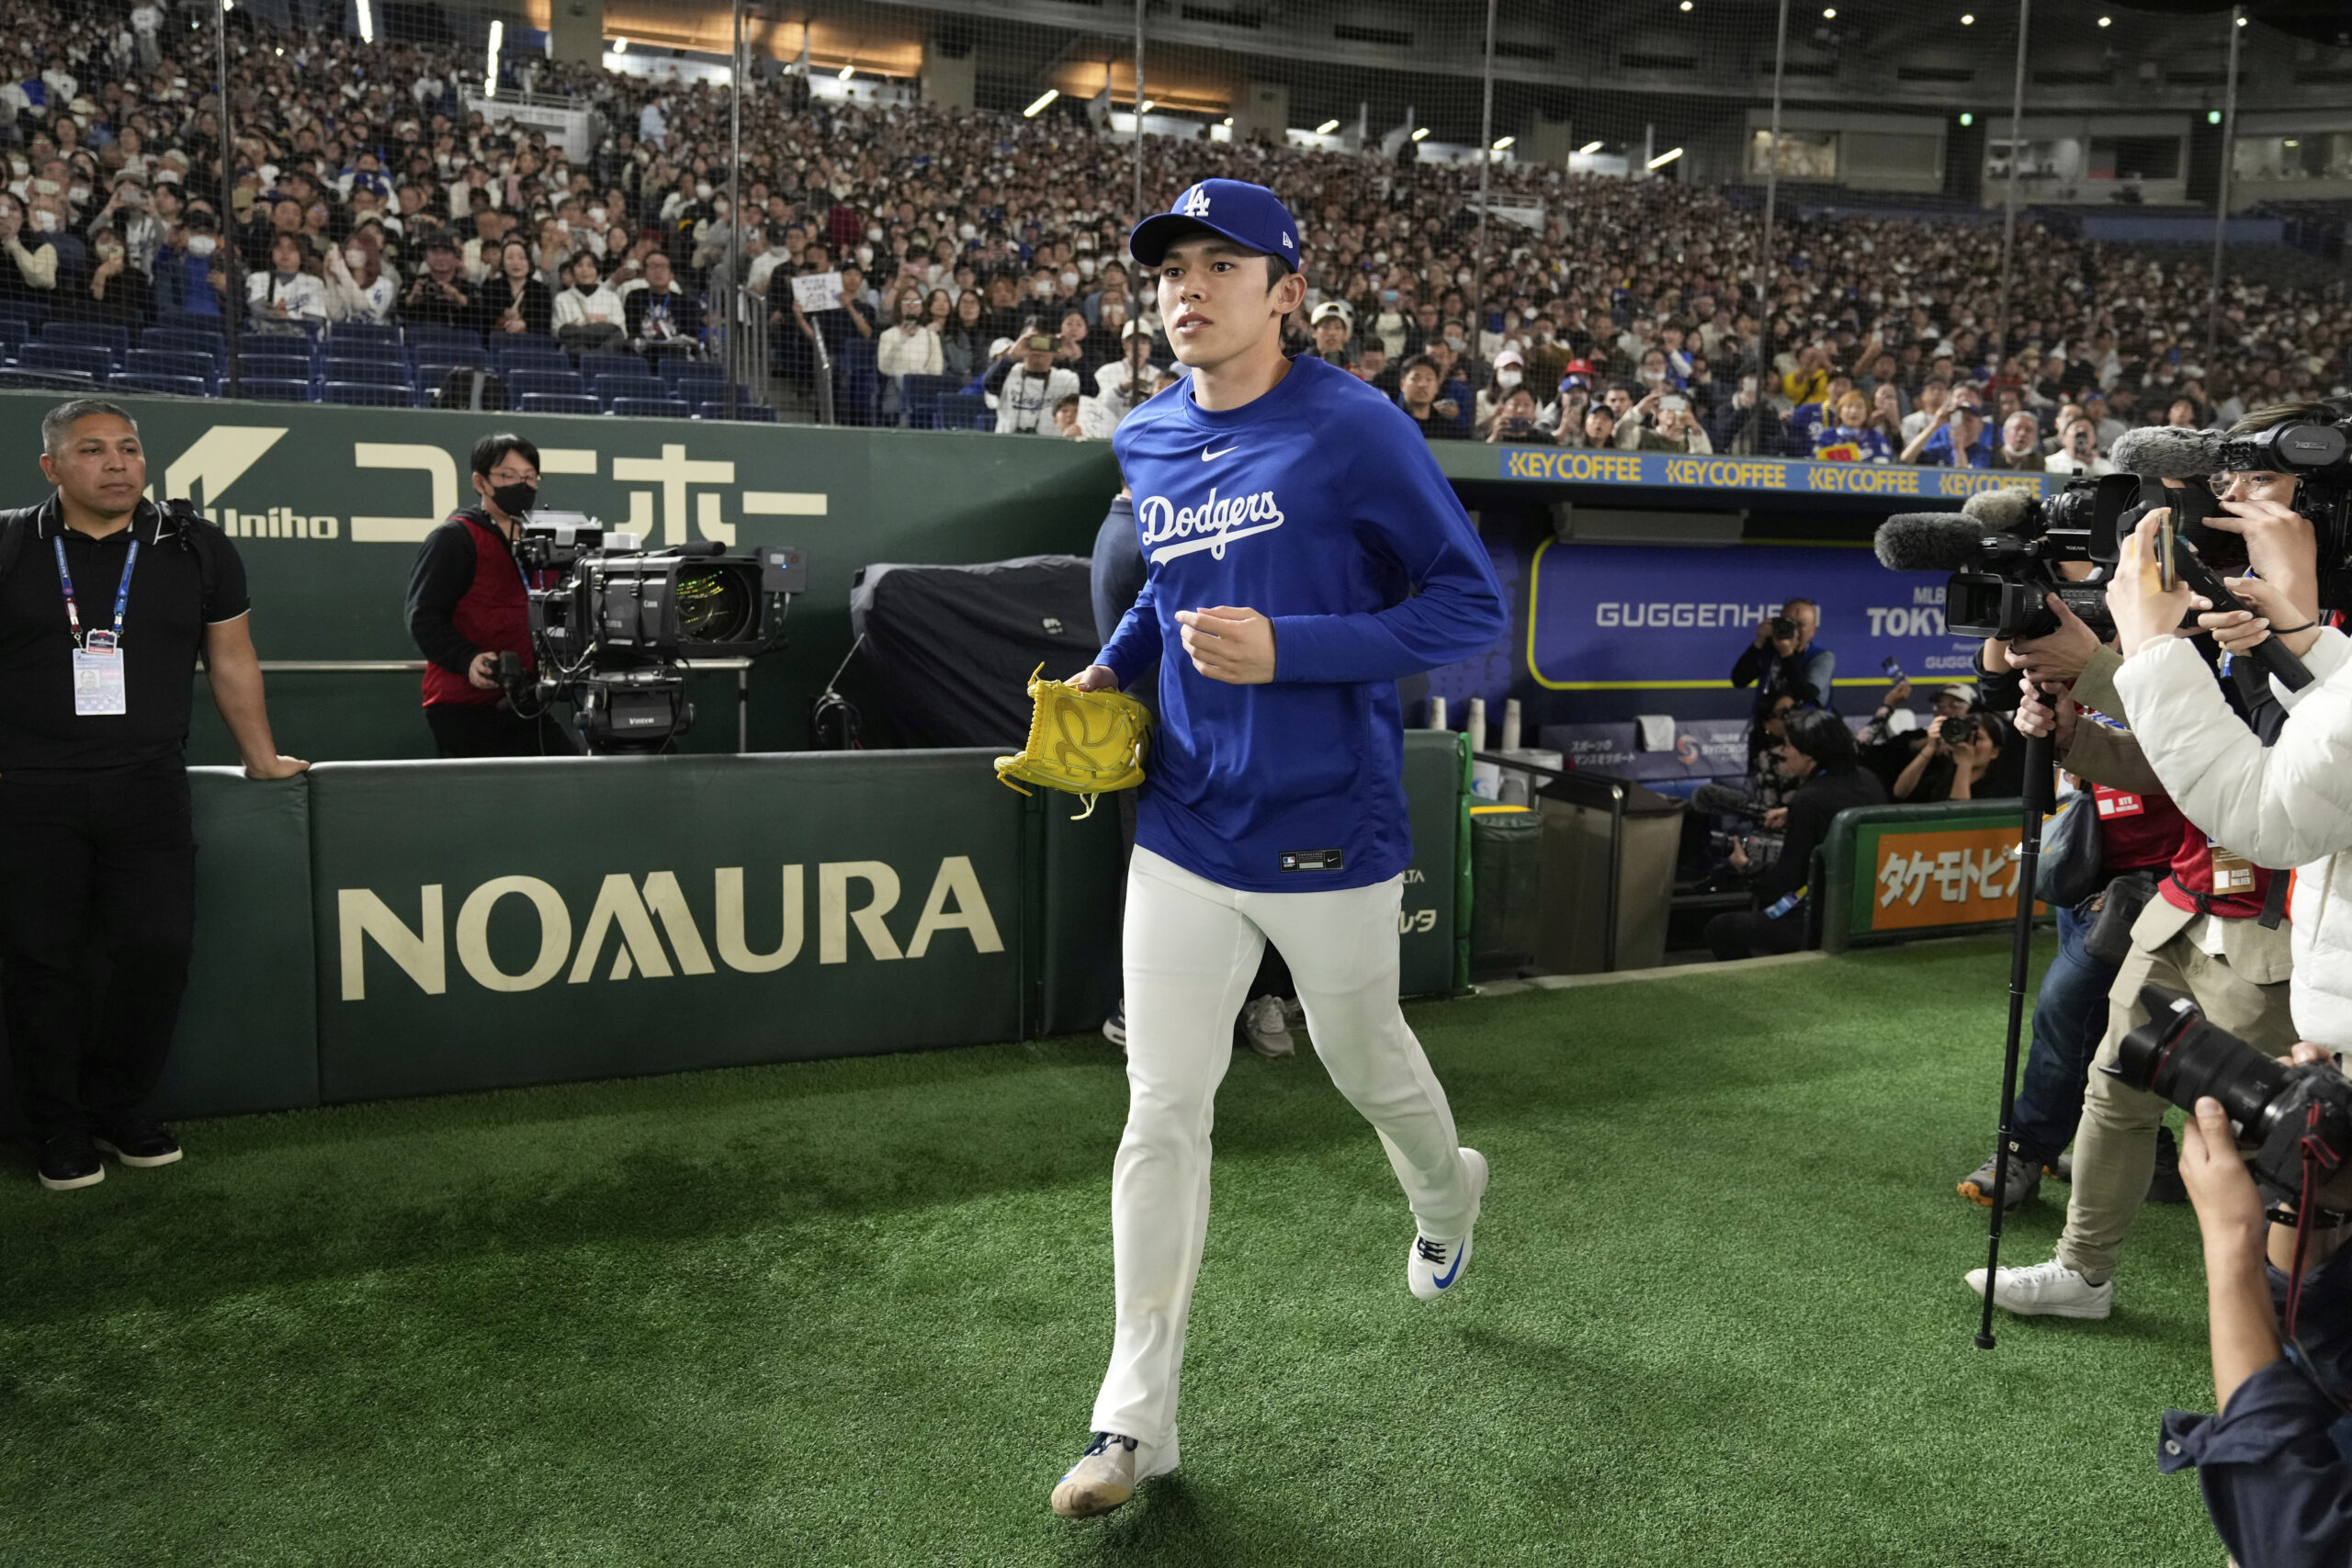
(1087, 743)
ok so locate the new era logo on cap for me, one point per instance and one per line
(1250, 215)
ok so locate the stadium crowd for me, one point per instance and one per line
(989, 249)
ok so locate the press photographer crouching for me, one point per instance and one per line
(106, 601)
(1817, 751)
(468, 603)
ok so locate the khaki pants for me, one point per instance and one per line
(2115, 1146)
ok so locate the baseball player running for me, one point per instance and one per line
(1304, 553)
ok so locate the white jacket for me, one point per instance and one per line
(2289, 804)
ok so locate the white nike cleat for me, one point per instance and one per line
(1433, 1267)
(1107, 1474)
(2046, 1289)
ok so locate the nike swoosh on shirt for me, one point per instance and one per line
(1213, 542)
(1209, 456)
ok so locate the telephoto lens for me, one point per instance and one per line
(2276, 1107)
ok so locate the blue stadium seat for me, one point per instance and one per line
(921, 395)
(188, 340)
(758, 413)
(611, 387)
(14, 330)
(370, 350)
(78, 358)
(116, 341)
(171, 386)
(523, 383)
(376, 372)
(278, 352)
(367, 394)
(273, 389)
(857, 386)
(674, 371)
(559, 402)
(447, 346)
(343, 335)
(170, 362)
(965, 411)
(46, 380)
(596, 363)
(651, 407)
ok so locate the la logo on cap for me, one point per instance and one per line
(1196, 202)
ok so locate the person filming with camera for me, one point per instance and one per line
(1817, 751)
(469, 604)
(1782, 657)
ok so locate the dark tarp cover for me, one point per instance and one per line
(952, 647)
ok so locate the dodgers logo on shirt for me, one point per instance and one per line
(1209, 526)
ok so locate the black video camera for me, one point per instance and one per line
(2276, 1107)
(2000, 593)
(615, 636)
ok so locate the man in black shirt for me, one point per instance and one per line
(106, 603)
(441, 296)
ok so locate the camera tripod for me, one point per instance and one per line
(2039, 794)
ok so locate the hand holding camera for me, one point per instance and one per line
(2045, 709)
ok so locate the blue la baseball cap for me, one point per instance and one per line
(1251, 216)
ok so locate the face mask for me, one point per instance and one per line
(109, 253)
(201, 244)
(963, 232)
(516, 498)
(874, 233)
(45, 221)
(1045, 285)
(80, 194)
(702, 190)
(1086, 266)
(1070, 280)
(1507, 379)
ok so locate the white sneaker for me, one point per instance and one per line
(1107, 1474)
(1263, 1029)
(2046, 1289)
(1433, 1267)
(1114, 1026)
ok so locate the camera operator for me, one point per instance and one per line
(2212, 929)
(105, 603)
(1782, 658)
(468, 603)
(2276, 1481)
(1818, 752)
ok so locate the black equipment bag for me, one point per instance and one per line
(2073, 864)
(951, 648)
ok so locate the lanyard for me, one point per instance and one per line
(121, 596)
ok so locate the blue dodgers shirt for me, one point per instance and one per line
(1318, 506)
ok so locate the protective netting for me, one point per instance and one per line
(854, 211)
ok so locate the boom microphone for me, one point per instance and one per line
(2005, 510)
(2164, 452)
(1929, 541)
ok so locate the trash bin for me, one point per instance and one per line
(1505, 887)
(1608, 848)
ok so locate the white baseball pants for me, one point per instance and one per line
(1193, 947)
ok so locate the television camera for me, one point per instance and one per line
(2005, 548)
(616, 632)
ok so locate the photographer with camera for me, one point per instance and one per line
(106, 602)
(1781, 657)
(469, 611)
(1817, 751)
(2272, 1467)
(1956, 756)
(2211, 928)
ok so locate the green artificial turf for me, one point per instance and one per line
(856, 1313)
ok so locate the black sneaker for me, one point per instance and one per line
(68, 1161)
(1114, 1027)
(139, 1142)
(2165, 1186)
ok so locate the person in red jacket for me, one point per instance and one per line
(468, 603)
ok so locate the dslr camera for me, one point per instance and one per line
(617, 633)
(2282, 1111)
